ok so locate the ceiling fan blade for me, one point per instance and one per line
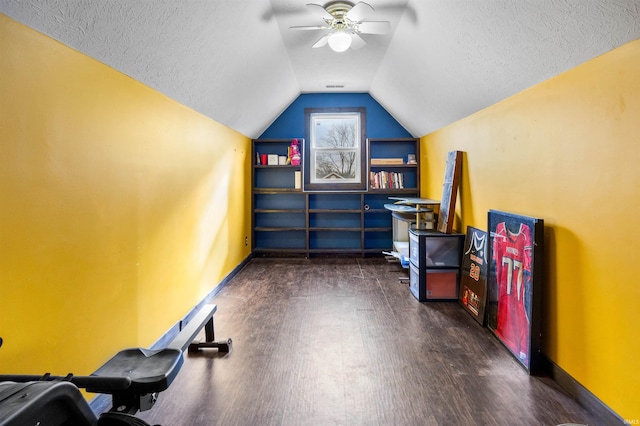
(357, 42)
(320, 11)
(322, 42)
(359, 11)
(374, 27)
(315, 27)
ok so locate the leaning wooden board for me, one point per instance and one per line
(449, 192)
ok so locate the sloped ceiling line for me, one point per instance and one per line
(238, 63)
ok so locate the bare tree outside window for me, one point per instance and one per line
(335, 146)
(339, 159)
(334, 157)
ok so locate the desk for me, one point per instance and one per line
(405, 212)
(404, 207)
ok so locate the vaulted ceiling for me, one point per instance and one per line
(238, 62)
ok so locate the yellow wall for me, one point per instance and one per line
(120, 209)
(567, 151)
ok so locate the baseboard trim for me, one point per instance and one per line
(101, 403)
(167, 337)
(581, 394)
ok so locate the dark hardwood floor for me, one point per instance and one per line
(330, 341)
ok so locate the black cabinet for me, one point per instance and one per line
(434, 270)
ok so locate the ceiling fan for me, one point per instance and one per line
(346, 22)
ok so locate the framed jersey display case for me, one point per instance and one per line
(473, 278)
(515, 268)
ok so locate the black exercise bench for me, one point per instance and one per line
(186, 336)
(133, 377)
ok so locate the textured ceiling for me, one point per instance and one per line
(237, 62)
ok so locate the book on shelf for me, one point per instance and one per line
(386, 180)
(297, 179)
(386, 161)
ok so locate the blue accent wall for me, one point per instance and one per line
(290, 124)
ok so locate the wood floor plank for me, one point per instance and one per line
(340, 341)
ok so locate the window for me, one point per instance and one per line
(335, 157)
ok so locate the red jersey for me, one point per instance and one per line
(512, 253)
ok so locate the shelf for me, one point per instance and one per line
(400, 176)
(290, 221)
(277, 191)
(329, 228)
(335, 251)
(279, 210)
(271, 250)
(393, 190)
(393, 166)
(380, 229)
(334, 211)
(277, 166)
(277, 229)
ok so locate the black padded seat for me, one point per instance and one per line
(149, 370)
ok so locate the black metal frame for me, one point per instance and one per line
(507, 322)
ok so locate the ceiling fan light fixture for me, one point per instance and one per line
(339, 41)
(346, 22)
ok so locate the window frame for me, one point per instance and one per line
(324, 117)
